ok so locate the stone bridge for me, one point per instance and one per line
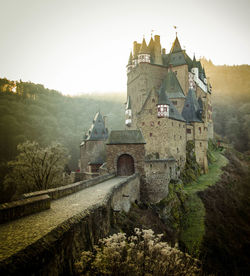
(48, 242)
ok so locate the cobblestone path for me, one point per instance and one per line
(20, 233)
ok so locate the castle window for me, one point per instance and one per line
(179, 125)
(143, 124)
(159, 122)
(150, 166)
(152, 123)
(172, 123)
(177, 150)
(151, 134)
(153, 100)
(174, 102)
(188, 130)
(187, 105)
(162, 110)
(200, 130)
(174, 137)
(180, 137)
(200, 144)
(165, 165)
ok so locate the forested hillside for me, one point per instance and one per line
(231, 102)
(29, 111)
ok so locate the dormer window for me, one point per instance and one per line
(163, 110)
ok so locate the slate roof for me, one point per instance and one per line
(125, 137)
(192, 110)
(176, 47)
(144, 48)
(173, 112)
(177, 58)
(128, 104)
(171, 86)
(162, 99)
(151, 44)
(97, 131)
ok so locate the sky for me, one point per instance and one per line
(82, 46)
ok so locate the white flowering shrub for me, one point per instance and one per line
(141, 254)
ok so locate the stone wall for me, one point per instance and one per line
(164, 136)
(137, 151)
(62, 191)
(182, 76)
(201, 143)
(56, 252)
(90, 150)
(20, 208)
(158, 175)
(141, 81)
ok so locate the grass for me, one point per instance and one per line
(193, 228)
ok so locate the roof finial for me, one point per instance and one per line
(175, 27)
(152, 32)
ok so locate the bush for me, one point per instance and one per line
(141, 254)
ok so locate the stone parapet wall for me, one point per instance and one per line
(56, 252)
(62, 191)
(20, 208)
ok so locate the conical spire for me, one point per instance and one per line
(144, 48)
(191, 109)
(130, 59)
(162, 97)
(151, 45)
(172, 86)
(194, 62)
(176, 47)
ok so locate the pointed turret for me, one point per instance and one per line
(130, 63)
(162, 97)
(144, 47)
(172, 87)
(151, 45)
(97, 131)
(144, 55)
(192, 110)
(194, 62)
(176, 47)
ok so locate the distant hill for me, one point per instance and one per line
(29, 111)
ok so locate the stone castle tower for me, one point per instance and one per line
(168, 104)
(169, 100)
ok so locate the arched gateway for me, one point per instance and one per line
(125, 165)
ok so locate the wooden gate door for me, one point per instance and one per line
(125, 165)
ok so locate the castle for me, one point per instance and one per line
(168, 104)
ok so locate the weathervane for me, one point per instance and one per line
(175, 27)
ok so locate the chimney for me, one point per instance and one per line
(157, 38)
